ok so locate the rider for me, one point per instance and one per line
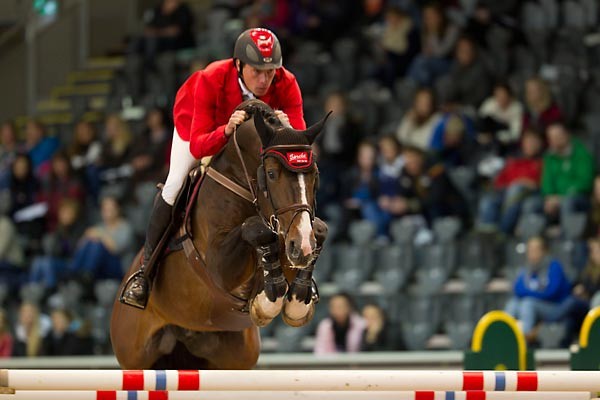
(205, 117)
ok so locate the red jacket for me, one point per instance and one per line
(207, 99)
(518, 168)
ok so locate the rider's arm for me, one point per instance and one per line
(194, 115)
(291, 103)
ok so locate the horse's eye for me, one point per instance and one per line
(271, 175)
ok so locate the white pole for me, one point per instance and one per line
(314, 395)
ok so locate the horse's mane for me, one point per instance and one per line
(254, 106)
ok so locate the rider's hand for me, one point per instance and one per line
(285, 120)
(236, 119)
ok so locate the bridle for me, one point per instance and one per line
(251, 194)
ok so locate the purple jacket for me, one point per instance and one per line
(325, 339)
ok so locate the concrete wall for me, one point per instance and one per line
(13, 101)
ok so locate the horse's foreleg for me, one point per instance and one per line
(299, 305)
(268, 302)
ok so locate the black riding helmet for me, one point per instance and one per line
(258, 47)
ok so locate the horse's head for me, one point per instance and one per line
(287, 183)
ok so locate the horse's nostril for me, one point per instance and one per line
(294, 250)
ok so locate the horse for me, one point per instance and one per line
(249, 246)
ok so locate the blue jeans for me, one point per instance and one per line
(425, 70)
(371, 212)
(93, 260)
(530, 310)
(47, 270)
(10, 274)
(503, 208)
(568, 205)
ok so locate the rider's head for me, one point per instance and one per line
(257, 54)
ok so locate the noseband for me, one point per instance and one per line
(251, 194)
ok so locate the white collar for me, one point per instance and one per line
(245, 92)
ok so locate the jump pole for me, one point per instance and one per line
(314, 395)
(303, 380)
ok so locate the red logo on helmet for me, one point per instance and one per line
(264, 40)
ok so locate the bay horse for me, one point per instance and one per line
(208, 300)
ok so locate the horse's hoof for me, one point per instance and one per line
(296, 313)
(262, 310)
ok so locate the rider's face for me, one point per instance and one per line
(258, 81)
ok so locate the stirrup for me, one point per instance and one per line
(137, 281)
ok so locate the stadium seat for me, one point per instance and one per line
(394, 267)
(437, 265)
(550, 335)
(32, 292)
(416, 334)
(325, 264)
(446, 229)
(574, 226)
(459, 333)
(289, 340)
(530, 225)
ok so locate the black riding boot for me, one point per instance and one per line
(136, 290)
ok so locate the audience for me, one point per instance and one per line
(501, 116)
(468, 81)
(588, 288)
(593, 219)
(6, 338)
(9, 148)
(12, 259)
(104, 248)
(426, 190)
(39, 147)
(30, 331)
(377, 335)
(49, 268)
(453, 141)
(540, 108)
(567, 176)
(519, 179)
(84, 152)
(416, 128)
(61, 340)
(541, 289)
(343, 330)
(438, 37)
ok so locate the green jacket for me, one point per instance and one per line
(569, 175)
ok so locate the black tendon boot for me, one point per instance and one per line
(136, 289)
(274, 281)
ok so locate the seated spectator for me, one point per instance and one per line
(6, 338)
(592, 229)
(453, 141)
(416, 128)
(12, 258)
(438, 37)
(9, 148)
(168, 27)
(40, 147)
(399, 42)
(341, 135)
(150, 157)
(588, 288)
(24, 190)
(377, 335)
(468, 82)
(567, 176)
(360, 189)
(61, 340)
(104, 247)
(390, 165)
(342, 330)
(540, 108)
(426, 191)
(540, 291)
(271, 14)
(519, 179)
(61, 184)
(116, 153)
(58, 246)
(32, 328)
(501, 116)
(84, 153)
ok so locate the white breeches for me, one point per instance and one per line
(182, 163)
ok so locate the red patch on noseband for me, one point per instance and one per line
(264, 41)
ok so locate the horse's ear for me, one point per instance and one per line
(265, 132)
(314, 130)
